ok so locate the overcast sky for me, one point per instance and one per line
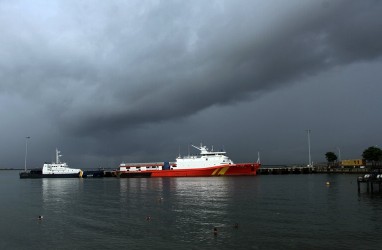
(113, 81)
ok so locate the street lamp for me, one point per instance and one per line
(310, 159)
(26, 152)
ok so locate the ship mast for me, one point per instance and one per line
(58, 156)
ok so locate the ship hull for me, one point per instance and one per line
(38, 174)
(135, 174)
(246, 169)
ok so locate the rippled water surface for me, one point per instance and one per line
(273, 212)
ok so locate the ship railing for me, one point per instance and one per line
(144, 164)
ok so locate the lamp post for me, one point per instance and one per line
(310, 158)
(339, 154)
(26, 152)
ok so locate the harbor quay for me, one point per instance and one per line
(296, 169)
(284, 169)
(263, 170)
(369, 178)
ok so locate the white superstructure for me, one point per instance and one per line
(59, 167)
(205, 159)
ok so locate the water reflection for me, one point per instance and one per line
(193, 190)
(179, 201)
(58, 193)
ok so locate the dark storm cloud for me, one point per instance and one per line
(114, 66)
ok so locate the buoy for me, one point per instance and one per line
(40, 217)
(327, 183)
(148, 218)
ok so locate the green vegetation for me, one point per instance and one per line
(372, 154)
(331, 157)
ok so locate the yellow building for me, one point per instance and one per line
(353, 163)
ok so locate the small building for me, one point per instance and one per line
(353, 163)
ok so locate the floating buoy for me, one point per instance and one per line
(327, 183)
(40, 217)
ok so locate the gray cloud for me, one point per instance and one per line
(227, 59)
(106, 69)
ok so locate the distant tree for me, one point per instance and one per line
(372, 154)
(331, 157)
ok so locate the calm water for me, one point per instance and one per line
(273, 212)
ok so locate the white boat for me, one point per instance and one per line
(56, 169)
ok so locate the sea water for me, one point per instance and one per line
(315, 211)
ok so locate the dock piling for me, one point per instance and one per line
(369, 180)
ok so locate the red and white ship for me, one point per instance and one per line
(207, 163)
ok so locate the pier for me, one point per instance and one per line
(318, 169)
(275, 170)
(339, 170)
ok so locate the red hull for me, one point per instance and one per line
(243, 169)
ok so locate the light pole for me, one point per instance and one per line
(339, 154)
(310, 159)
(26, 152)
